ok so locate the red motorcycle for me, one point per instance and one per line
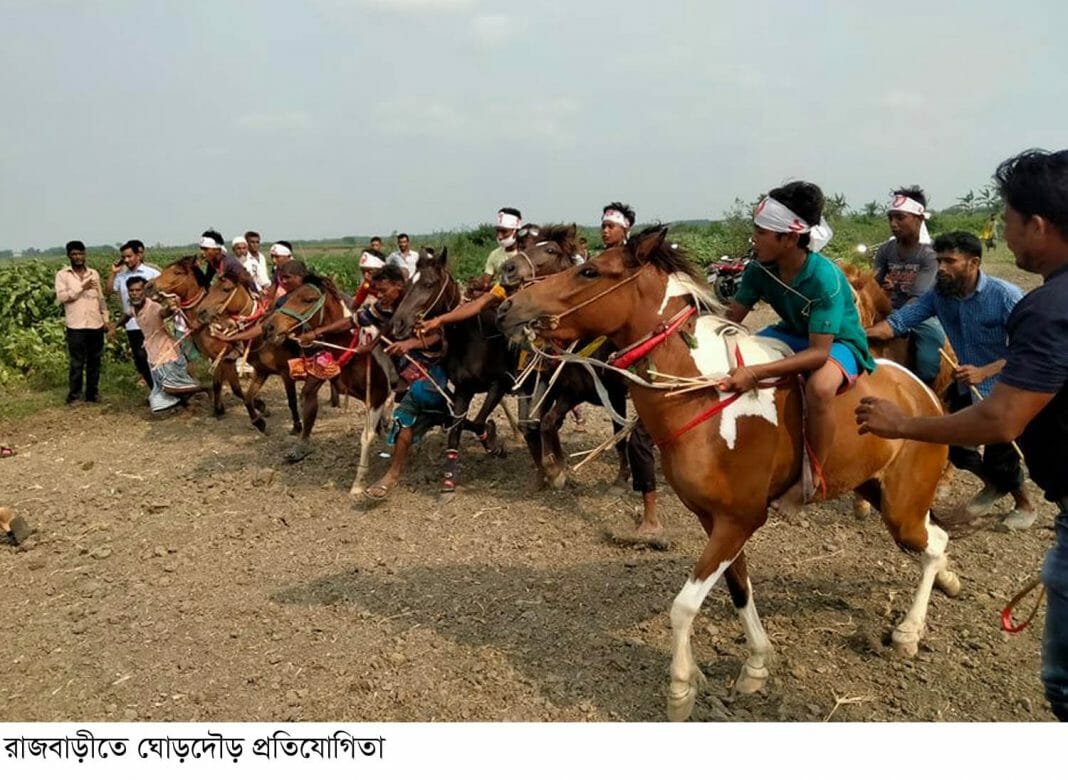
(724, 275)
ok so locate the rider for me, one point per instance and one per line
(906, 266)
(371, 263)
(509, 221)
(213, 250)
(819, 319)
(290, 276)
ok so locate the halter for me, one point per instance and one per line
(303, 318)
(446, 279)
(552, 321)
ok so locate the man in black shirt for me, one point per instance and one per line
(1030, 400)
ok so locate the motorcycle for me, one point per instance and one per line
(724, 275)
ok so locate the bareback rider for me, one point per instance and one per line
(819, 318)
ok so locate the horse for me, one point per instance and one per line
(873, 305)
(624, 294)
(553, 251)
(182, 283)
(477, 358)
(315, 303)
(229, 304)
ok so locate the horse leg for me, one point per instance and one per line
(911, 526)
(486, 429)
(229, 368)
(532, 436)
(754, 672)
(335, 397)
(250, 401)
(309, 398)
(217, 407)
(724, 544)
(291, 402)
(461, 402)
(367, 439)
(617, 395)
(551, 422)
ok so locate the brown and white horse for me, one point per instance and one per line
(315, 303)
(727, 465)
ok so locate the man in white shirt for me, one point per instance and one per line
(131, 264)
(404, 258)
(253, 260)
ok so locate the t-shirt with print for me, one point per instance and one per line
(1037, 361)
(911, 276)
(818, 300)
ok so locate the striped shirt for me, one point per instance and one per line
(975, 324)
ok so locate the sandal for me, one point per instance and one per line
(378, 491)
(6, 452)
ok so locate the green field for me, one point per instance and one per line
(33, 359)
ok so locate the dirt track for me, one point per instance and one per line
(180, 571)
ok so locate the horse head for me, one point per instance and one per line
(226, 297)
(314, 303)
(181, 279)
(624, 289)
(873, 304)
(551, 251)
(431, 291)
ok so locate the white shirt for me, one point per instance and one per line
(143, 271)
(405, 260)
(256, 265)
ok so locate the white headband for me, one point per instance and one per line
(774, 216)
(906, 205)
(239, 240)
(207, 242)
(367, 260)
(507, 221)
(280, 250)
(616, 218)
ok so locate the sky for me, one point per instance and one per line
(325, 118)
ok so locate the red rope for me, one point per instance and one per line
(640, 349)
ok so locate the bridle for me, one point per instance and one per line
(446, 281)
(303, 318)
(552, 321)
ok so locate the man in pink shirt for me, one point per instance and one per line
(86, 313)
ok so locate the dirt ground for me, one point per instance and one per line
(180, 571)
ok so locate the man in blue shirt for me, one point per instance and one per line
(1030, 400)
(974, 310)
(132, 264)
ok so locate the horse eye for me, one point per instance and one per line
(588, 272)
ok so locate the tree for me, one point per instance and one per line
(989, 199)
(835, 206)
(872, 208)
(967, 202)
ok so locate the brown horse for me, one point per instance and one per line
(625, 295)
(313, 304)
(229, 305)
(182, 284)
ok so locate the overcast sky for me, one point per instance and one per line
(338, 117)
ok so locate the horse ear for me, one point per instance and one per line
(572, 231)
(444, 255)
(648, 242)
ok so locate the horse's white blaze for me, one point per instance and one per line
(713, 358)
(916, 379)
(683, 611)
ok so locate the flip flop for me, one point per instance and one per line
(6, 452)
(378, 491)
(1019, 519)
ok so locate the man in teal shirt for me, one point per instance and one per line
(819, 318)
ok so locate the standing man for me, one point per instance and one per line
(1030, 400)
(87, 319)
(376, 244)
(906, 266)
(132, 265)
(509, 221)
(256, 258)
(254, 263)
(974, 310)
(404, 258)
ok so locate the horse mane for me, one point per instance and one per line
(564, 235)
(324, 283)
(868, 291)
(684, 277)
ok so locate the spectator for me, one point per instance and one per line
(252, 263)
(254, 254)
(132, 264)
(404, 258)
(87, 320)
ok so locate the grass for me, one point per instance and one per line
(118, 384)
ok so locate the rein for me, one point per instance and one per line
(552, 321)
(303, 318)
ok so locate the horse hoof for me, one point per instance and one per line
(297, 454)
(446, 496)
(861, 509)
(260, 425)
(558, 480)
(680, 702)
(218, 413)
(948, 582)
(750, 679)
(906, 643)
(296, 430)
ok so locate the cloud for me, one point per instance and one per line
(493, 30)
(419, 6)
(287, 120)
(902, 99)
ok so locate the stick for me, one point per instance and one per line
(975, 392)
(603, 446)
(512, 421)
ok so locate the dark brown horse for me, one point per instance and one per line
(313, 304)
(625, 294)
(182, 285)
(556, 389)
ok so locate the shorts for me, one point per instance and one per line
(422, 407)
(841, 355)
